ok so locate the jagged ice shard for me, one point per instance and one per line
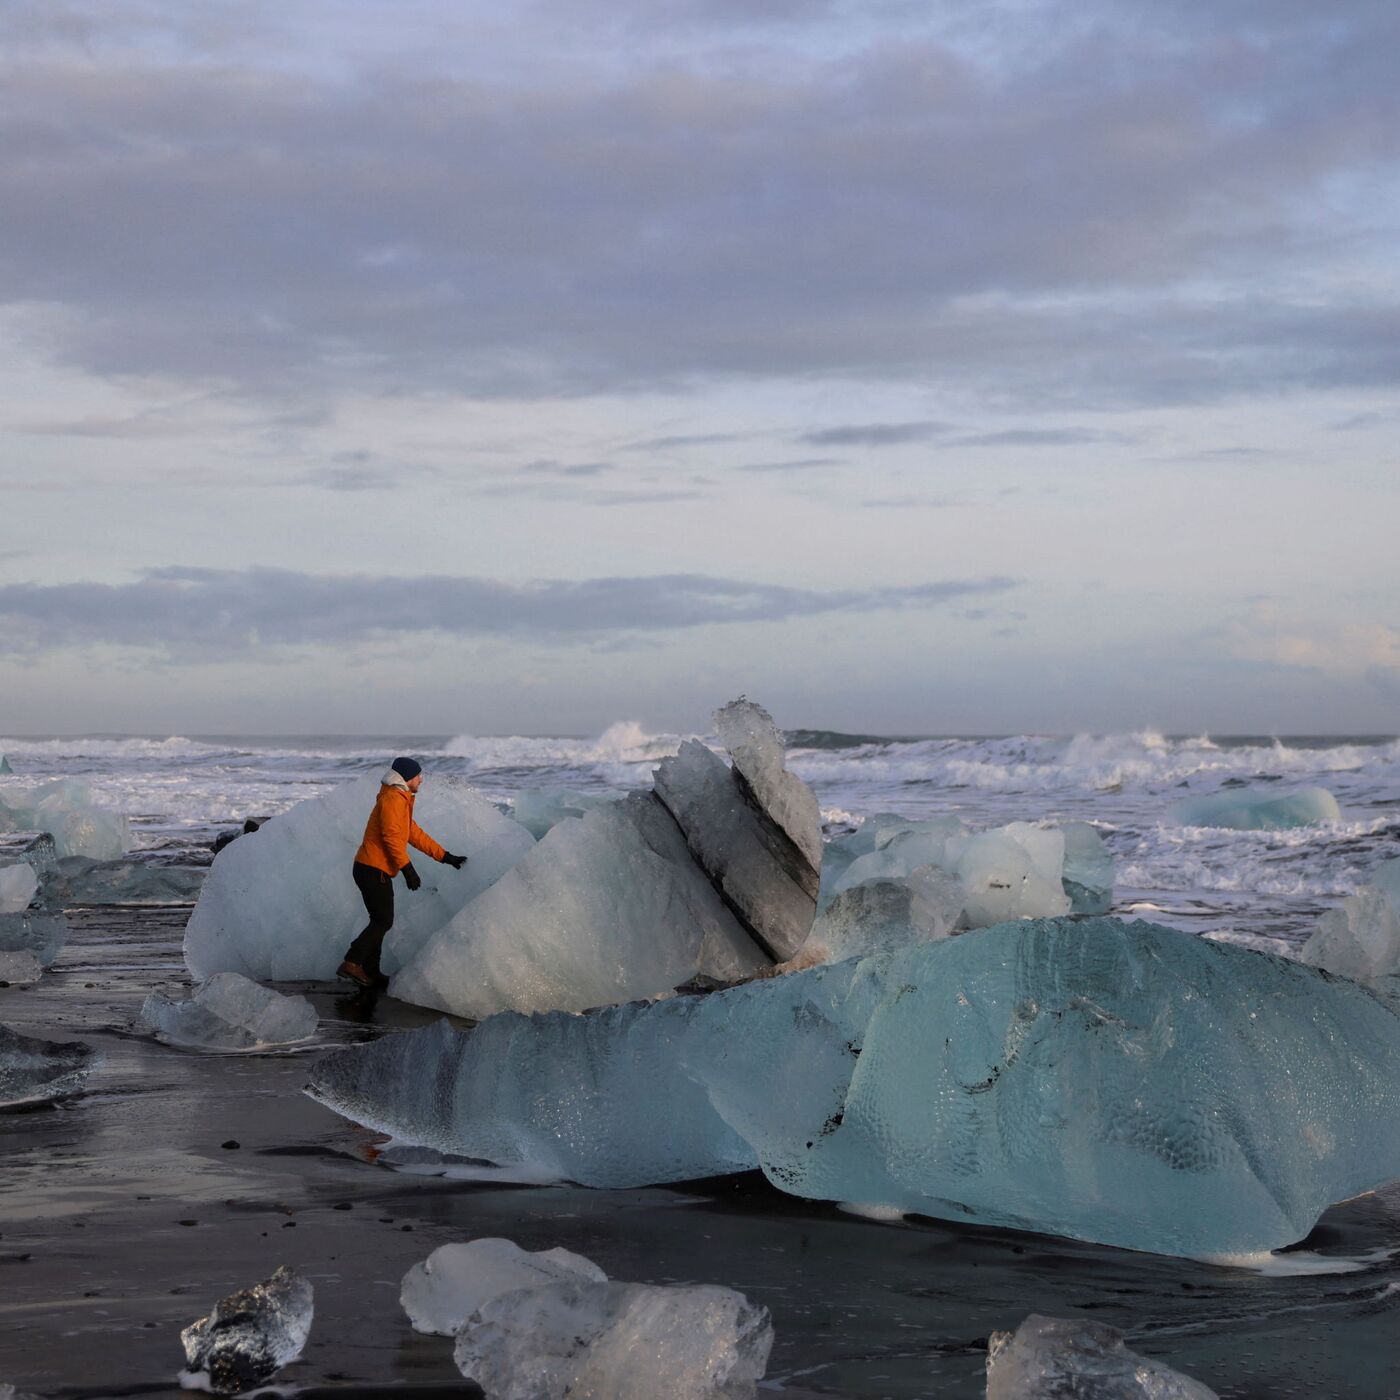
(714, 874)
(279, 904)
(249, 1336)
(230, 1013)
(539, 809)
(1257, 809)
(1117, 1082)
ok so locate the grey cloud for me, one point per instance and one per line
(545, 467)
(874, 434)
(801, 464)
(215, 613)
(292, 235)
(681, 440)
(1038, 437)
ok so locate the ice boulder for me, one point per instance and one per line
(881, 915)
(41, 934)
(1362, 938)
(1012, 872)
(1087, 876)
(1118, 1082)
(607, 907)
(66, 810)
(230, 1013)
(890, 848)
(250, 1335)
(540, 809)
(35, 1071)
(279, 904)
(584, 1340)
(19, 883)
(1256, 809)
(1051, 1358)
(442, 1292)
(77, 880)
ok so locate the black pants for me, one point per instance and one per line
(377, 891)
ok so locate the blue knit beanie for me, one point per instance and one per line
(407, 768)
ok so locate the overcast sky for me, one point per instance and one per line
(918, 366)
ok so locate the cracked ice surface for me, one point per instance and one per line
(606, 907)
(249, 1336)
(279, 903)
(33, 1070)
(1256, 809)
(1117, 1082)
(1051, 1358)
(442, 1292)
(616, 1341)
(231, 1013)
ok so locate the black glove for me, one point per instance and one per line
(456, 862)
(410, 876)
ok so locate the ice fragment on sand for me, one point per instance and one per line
(616, 1341)
(1362, 938)
(279, 903)
(881, 915)
(1118, 1082)
(231, 1013)
(539, 809)
(1051, 1358)
(605, 908)
(19, 969)
(442, 1292)
(43, 935)
(32, 1070)
(1087, 876)
(249, 1336)
(1256, 809)
(19, 884)
(77, 880)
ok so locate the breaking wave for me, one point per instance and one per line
(624, 744)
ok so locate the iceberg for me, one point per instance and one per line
(279, 904)
(881, 915)
(1123, 1083)
(538, 810)
(249, 1336)
(65, 809)
(1362, 938)
(585, 1340)
(230, 1013)
(442, 1292)
(77, 880)
(698, 878)
(1051, 1358)
(1257, 809)
(35, 1071)
(41, 934)
(19, 883)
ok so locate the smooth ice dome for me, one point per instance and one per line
(249, 1336)
(1117, 1082)
(19, 884)
(65, 809)
(540, 809)
(1051, 1358)
(1362, 938)
(442, 1292)
(616, 1341)
(1257, 809)
(230, 1013)
(34, 1071)
(279, 904)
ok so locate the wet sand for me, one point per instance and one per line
(127, 1213)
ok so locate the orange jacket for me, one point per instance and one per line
(391, 830)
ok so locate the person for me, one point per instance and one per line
(383, 854)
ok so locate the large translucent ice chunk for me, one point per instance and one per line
(77, 880)
(19, 883)
(894, 849)
(1087, 876)
(1124, 1083)
(1257, 809)
(442, 1292)
(881, 915)
(539, 809)
(616, 1341)
(279, 904)
(65, 808)
(1362, 938)
(608, 906)
(1051, 1358)
(250, 1335)
(1012, 872)
(230, 1013)
(33, 1071)
(753, 742)
(43, 935)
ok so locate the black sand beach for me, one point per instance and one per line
(178, 1178)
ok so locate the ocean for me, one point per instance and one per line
(181, 791)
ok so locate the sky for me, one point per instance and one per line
(936, 367)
